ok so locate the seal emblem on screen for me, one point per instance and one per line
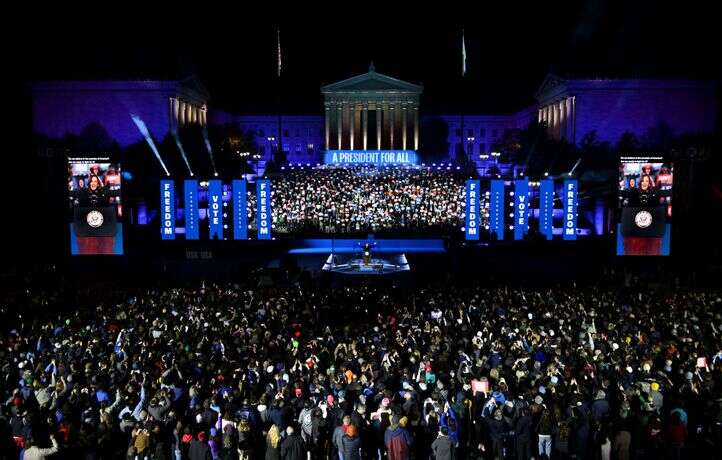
(94, 219)
(643, 219)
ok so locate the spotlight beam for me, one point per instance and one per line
(575, 166)
(182, 151)
(210, 150)
(146, 134)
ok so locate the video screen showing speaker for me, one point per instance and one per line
(645, 206)
(95, 207)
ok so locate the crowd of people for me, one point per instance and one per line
(366, 199)
(229, 371)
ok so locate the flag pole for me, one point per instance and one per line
(463, 95)
(279, 149)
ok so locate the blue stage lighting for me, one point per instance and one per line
(146, 134)
(182, 152)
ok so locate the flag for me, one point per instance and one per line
(463, 55)
(279, 51)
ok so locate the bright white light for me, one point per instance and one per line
(146, 134)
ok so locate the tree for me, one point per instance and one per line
(233, 148)
(94, 138)
(628, 143)
(509, 145)
(659, 137)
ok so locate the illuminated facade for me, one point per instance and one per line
(373, 111)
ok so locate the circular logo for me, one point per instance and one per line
(94, 219)
(643, 219)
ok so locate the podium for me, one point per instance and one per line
(95, 221)
(644, 221)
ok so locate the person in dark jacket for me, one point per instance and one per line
(278, 415)
(497, 428)
(545, 430)
(600, 407)
(229, 449)
(443, 447)
(351, 444)
(522, 430)
(199, 449)
(292, 447)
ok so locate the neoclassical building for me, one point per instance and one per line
(572, 108)
(61, 107)
(360, 111)
(371, 102)
(376, 111)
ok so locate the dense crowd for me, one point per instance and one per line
(367, 199)
(241, 372)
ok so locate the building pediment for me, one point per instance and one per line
(551, 84)
(192, 87)
(371, 81)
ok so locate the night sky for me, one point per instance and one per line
(510, 49)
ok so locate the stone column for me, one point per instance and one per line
(339, 124)
(181, 113)
(392, 122)
(351, 123)
(416, 127)
(365, 125)
(574, 119)
(328, 130)
(171, 119)
(562, 120)
(404, 127)
(569, 127)
(379, 113)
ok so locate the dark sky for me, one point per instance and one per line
(510, 49)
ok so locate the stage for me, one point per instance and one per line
(381, 246)
(353, 265)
